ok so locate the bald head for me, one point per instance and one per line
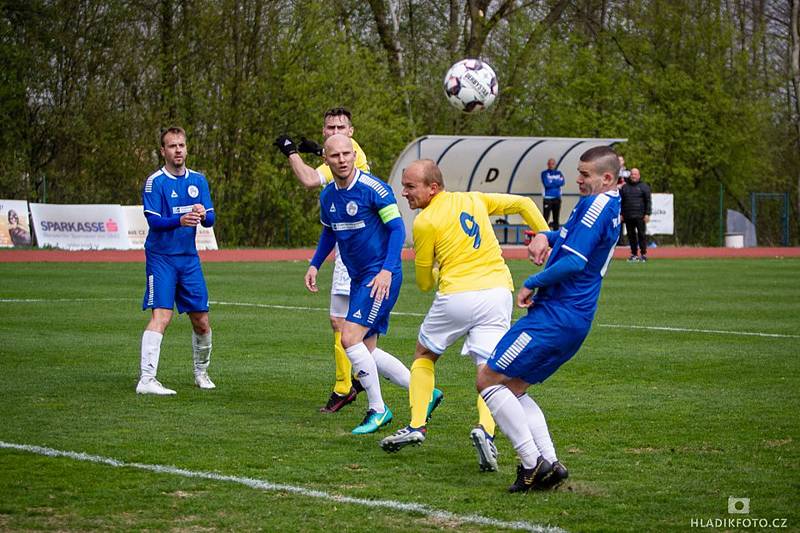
(422, 180)
(340, 156)
(338, 141)
(428, 170)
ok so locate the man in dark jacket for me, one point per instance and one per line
(636, 209)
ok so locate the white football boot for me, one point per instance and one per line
(148, 385)
(202, 380)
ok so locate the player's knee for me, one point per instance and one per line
(336, 323)
(352, 335)
(159, 321)
(200, 323)
(517, 386)
(482, 380)
(349, 340)
(488, 377)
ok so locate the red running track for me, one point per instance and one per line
(304, 254)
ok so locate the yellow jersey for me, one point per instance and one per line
(454, 231)
(324, 171)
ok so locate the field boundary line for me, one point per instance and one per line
(408, 313)
(293, 489)
(698, 330)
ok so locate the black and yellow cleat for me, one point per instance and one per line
(557, 475)
(529, 478)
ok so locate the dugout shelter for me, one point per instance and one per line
(497, 164)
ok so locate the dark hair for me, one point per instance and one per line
(606, 159)
(177, 130)
(338, 112)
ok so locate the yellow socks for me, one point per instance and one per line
(485, 417)
(343, 367)
(420, 390)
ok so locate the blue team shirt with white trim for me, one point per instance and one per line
(552, 180)
(591, 232)
(166, 195)
(352, 214)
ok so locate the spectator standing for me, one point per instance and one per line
(553, 180)
(636, 210)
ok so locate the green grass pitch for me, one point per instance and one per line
(686, 392)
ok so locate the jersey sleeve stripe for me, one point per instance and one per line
(148, 186)
(574, 251)
(373, 184)
(590, 217)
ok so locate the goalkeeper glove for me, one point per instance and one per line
(286, 145)
(309, 147)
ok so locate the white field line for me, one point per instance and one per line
(421, 315)
(259, 484)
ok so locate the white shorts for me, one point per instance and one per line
(483, 316)
(340, 303)
(341, 279)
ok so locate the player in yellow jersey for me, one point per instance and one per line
(474, 298)
(335, 120)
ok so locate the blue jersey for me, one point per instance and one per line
(169, 196)
(552, 180)
(356, 215)
(591, 232)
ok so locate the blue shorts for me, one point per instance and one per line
(538, 344)
(367, 311)
(175, 279)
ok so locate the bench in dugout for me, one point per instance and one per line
(512, 233)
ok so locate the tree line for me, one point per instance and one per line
(706, 91)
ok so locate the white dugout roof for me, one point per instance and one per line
(496, 164)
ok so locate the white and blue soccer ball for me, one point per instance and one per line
(470, 85)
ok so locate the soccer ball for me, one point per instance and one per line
(470, 85)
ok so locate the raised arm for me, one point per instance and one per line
(305, 174)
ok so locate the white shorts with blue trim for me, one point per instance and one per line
(482, 316)
(340, 284)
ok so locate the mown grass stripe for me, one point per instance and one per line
(404, 313)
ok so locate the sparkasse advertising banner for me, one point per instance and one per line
(80, 227)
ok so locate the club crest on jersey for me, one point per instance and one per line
(193, 191)
(352, 208)
(173, 195)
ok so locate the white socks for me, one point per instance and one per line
(510, 416)
(391, 368)
(538, 426)
(201, 351)
(151, 350)
(366, 370)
